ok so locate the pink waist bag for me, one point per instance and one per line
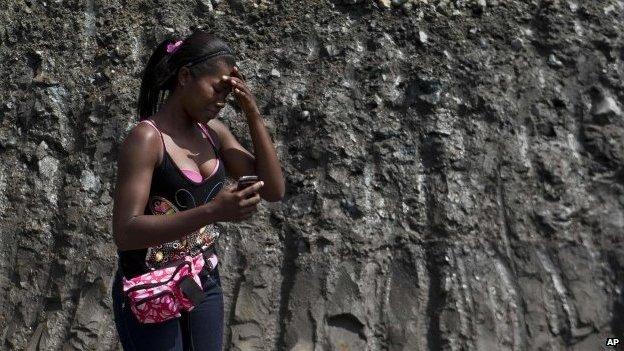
(160, 295)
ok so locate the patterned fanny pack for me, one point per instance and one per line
(161, 294)
(172, 285)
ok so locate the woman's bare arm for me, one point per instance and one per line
(132, 229)
(239, 161)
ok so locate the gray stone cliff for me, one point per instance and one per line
(455, 171)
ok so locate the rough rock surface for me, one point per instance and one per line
(455, 171)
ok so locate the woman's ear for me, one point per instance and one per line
(184, 76)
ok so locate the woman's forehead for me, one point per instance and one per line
(223, 68)
(219, 70)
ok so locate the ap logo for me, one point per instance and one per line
(613, 342)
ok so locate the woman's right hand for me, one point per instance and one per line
(235, 206)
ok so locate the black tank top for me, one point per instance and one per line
(178, 191)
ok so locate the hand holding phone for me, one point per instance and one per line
(246, 181)
(237, 203)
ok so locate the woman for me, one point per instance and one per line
(174, 162)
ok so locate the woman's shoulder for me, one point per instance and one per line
(143, 133)
(143, 139)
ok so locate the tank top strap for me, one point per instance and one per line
(207, 134)
(151, 123)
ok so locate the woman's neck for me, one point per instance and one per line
(172, 118)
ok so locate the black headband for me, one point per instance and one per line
(222, 52)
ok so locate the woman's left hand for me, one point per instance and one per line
(244, 96)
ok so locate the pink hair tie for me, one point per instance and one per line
(173, 47)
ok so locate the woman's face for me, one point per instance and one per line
(204, 96)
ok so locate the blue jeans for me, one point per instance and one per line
(198, 330)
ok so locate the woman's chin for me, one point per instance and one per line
(212, 114)
(208, 116)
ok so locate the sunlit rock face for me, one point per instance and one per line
(455, 171)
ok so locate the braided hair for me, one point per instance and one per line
(201, 52)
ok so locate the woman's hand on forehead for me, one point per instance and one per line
(234, 75)
(241, 91)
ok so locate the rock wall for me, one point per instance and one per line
(454, 171)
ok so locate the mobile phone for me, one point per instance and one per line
(246, 181)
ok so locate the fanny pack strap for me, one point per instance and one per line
(191, 290)
(189, 287)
